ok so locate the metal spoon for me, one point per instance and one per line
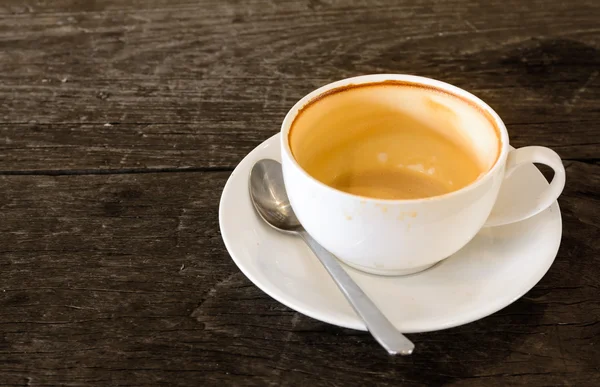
(270, 200)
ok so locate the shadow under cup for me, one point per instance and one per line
(382, 173)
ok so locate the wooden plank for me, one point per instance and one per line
(198, 84)
(85, 147)
(76, 147)
(123, 280)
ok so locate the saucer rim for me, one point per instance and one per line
(355, 322)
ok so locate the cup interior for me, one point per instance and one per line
(327, 126)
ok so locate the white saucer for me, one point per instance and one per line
(496, 268)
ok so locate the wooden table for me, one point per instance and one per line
(120, 122)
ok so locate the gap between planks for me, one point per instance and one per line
(124, 171)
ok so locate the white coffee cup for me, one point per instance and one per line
(394, 237)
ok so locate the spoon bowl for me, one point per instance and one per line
(269, 196)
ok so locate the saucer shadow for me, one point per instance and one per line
(476, 348)
(440, 358)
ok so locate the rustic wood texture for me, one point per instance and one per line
(120, 122)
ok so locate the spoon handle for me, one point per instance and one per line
(380, 327)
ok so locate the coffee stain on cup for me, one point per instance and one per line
(402, 215)
(439, 108)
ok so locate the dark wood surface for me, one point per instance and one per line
(120, 122)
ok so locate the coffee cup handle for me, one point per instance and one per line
(527, 155)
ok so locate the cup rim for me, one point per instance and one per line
(409, 79)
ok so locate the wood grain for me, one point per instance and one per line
(120, 122)
(116, 85)
(123, 280)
